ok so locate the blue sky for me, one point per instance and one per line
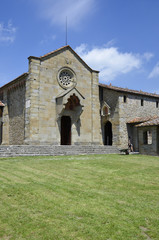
(120, 38)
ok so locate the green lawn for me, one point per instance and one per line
(98, 197)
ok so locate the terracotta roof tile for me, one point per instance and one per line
(152, 122)
(142, 119)
(119, 89)
(54, 51)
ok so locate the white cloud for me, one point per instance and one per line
(155, 71)
(7, 33)
(110, 61)
(82, 49)
(57, 10)
(147, 56)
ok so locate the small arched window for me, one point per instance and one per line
(105, 110)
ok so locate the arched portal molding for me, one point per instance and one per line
(70, 103)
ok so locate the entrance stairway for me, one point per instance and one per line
(52, 150)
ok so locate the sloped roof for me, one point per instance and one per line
(152, 122)
(126, 90)
(145, 121)
(62, 49)
(142, 119)
(15, 80)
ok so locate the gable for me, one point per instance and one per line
(62, 50)
(60, 70)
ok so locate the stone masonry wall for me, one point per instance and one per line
(122, 112)
(5, 127)
(132, 109)
(96, 126)
(149, 149)
(112, 99)
(16, 107)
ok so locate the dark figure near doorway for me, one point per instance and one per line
(108, 133)
(65, 130)
(130, 146)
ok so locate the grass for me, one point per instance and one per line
(105, 197)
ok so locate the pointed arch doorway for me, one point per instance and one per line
(65, 130)
(108, 133)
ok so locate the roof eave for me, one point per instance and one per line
(129, 91)
(33, 57)
(14, 81)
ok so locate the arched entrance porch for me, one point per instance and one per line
(69, 106)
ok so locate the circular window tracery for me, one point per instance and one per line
(66, 78)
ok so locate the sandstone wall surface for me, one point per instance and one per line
(149, 149)
(16, 108)
(42, 122)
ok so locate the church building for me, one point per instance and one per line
(59, 101)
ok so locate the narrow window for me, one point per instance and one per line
(147, 137)
(105, 111)
(124, 99)
(156, 104)
(142, 102)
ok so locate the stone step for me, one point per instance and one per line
(52, 150)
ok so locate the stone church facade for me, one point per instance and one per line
(59, 101)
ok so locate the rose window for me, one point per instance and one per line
(66, 78)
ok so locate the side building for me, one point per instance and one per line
(124, 113)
